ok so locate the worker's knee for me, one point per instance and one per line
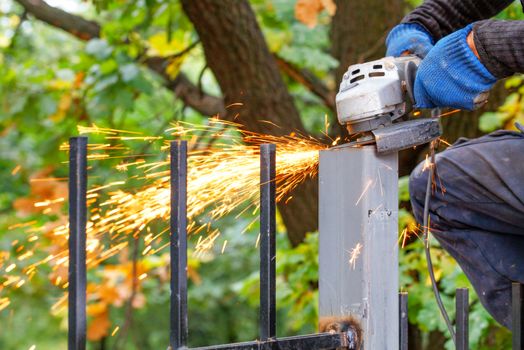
(417, 190)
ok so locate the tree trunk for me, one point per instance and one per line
(247, 73)
(358, 31)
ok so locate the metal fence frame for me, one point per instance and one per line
(178, 335)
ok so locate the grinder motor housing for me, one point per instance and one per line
(374, 95)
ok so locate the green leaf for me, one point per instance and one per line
(105, 83)
(491, 121)
(108, 66)
(513, 81)
(98, 48)
(403, 189)
(129, 72)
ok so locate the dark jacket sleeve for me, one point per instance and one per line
(443, 17)
(500, 44)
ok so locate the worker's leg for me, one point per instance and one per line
(479, 219)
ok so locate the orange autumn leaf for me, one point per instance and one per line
(109, 294)
(24, 206)
(307, 11)
(79, 79)
(43, 188)
(96, 309)
(59, 275)
(193, 275)
(98, 327)
(329, 6)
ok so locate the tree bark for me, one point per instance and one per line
(237, 53)
(358, 31)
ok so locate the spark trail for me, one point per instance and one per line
(221, 179)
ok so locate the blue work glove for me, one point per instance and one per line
(410, 37)
(452, 76)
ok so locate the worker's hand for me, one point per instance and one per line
(452, 75)
(408, 38)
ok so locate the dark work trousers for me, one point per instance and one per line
(479, 219)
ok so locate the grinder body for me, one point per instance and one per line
(375, 95)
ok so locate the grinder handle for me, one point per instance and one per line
(410, 73)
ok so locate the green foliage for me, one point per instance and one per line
(297, 281)
(423, 310)
(510, 112)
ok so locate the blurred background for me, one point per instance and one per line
(141, 65)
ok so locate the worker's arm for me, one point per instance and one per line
(500, 46)
(463, 66)
(452, 75)
(443, 17)
(435, 19)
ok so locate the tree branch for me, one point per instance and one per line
(188, 92)
(309, 80)
(86, 30)
(75, 25)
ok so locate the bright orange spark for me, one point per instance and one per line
(354, 254)
(369, 183)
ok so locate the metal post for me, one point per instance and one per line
(178, 248)
(358, 225)
(77, 243)
(517, 315)
(267, 242)
(403, 320)
(462, 319)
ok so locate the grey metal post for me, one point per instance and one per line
(358, 225)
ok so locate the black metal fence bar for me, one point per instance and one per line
(77, 243)
(322, 341)
(267, 241)
(517, 316)
(462, 318)
(178, 248)
(403, 320)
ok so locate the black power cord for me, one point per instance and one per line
(426, 243)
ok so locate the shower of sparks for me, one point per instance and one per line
(406, 234)
(354, 254)
(221, 179)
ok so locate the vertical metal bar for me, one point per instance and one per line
(462, 318)
(77, 243)
(358, 249)
(517, 315)
(403, 320)
(267, 241)
(178, 248)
